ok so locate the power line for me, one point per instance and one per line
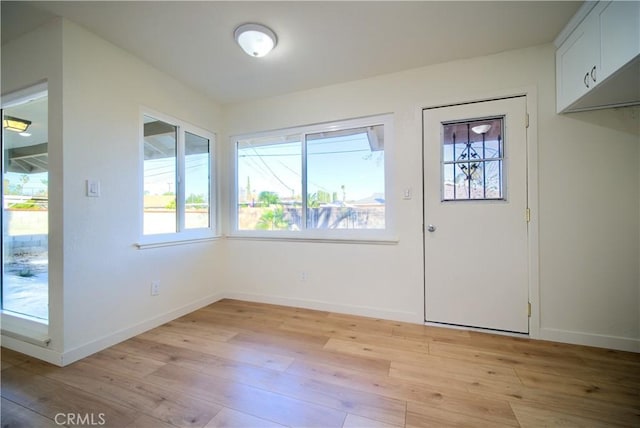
(274, 174)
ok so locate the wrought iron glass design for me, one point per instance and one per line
(472, 160)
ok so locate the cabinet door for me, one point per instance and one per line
(619, 35)
(575, 60)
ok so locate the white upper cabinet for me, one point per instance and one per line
(598, 60)
(619, 34)
(576, 59)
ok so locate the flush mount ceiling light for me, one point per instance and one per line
(481, 129)
(255, 39)
(15, 124)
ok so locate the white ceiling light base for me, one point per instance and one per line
(255, 39)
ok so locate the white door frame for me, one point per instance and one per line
(530, 93)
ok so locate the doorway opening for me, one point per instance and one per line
(25, 205)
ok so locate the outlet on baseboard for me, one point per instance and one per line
(155, 287)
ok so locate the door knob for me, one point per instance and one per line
(431, 228)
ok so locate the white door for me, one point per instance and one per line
(475, 215)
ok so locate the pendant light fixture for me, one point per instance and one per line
(15, 124)
(255, 39)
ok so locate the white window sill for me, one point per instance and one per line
(165, 241)
(25, 328)
(336, 240)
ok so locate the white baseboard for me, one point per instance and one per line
(87, 349)
(590, 339)
(68, 357)
(365, 311)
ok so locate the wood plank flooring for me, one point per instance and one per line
(240, 364)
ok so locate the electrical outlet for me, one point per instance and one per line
(303, 276)
(155, 288)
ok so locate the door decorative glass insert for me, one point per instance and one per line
(472, 160)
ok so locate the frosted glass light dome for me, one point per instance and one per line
(255, 39)
(481, 129)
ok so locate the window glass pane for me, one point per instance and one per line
(472, 157)
(269, 183)
(25, 232)
(493, 177)
(345, 179)
(196, 181)
(461, 188)
(492, 149)
(449, 181)
(160, 141)
(447, 153)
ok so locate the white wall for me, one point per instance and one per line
(37, 57)
(589, 232)
(107, 280)
(100, 282)
(588, 203)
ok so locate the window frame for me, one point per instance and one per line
(500, 159)
(386, 235)
(182, 234)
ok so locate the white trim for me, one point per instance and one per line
(25, 328)
(23, 324)
(363, 235)
(321, 240)
(531, 95)
(184, 235)
(68, 357)
(533, 205)
(312, 128)
(319, 305)
(35, 351)
(22, 332)
(590, 339)
(367, 235)
(181, 178)
(104, 342)
(42, 341)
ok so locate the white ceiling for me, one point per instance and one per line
(319, 43)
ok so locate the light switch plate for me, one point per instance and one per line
(93, 188)
(407, 193)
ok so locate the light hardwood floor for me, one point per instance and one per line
(245, 364)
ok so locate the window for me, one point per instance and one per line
(472, 157)
(319, 181)
(177, 183)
